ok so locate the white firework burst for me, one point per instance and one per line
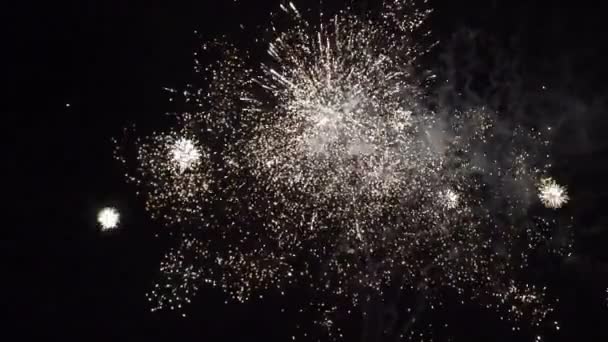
(185, 154)
(108, 218)
(175, 173)
(335, 157)
(551, 194)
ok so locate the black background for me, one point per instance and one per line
(109, 60)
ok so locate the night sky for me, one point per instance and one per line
(78, 72)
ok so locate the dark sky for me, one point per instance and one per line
(109, 60)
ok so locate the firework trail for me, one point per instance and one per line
(331, 172)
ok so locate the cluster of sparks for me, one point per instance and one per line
(335, 175)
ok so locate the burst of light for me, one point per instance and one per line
(551, 194)
(335, 161)
(185, 154)
(108, 218)
(174, 175)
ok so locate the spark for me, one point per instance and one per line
(108, 218)
(173, 173)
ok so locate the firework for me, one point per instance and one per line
(108, 218)
(185, 154)
(334, 174)
(551, 194)
(174, 173)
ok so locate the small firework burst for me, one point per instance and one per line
(174, 175)
(551, 194)
(108, 218)
(185, 154)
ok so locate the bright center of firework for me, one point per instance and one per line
(108, 218)
(185, 154)
(551, 194)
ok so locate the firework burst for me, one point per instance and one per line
(108, 218)
(175, 174)
(185, 154)
(330, 172)
(551, 194)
